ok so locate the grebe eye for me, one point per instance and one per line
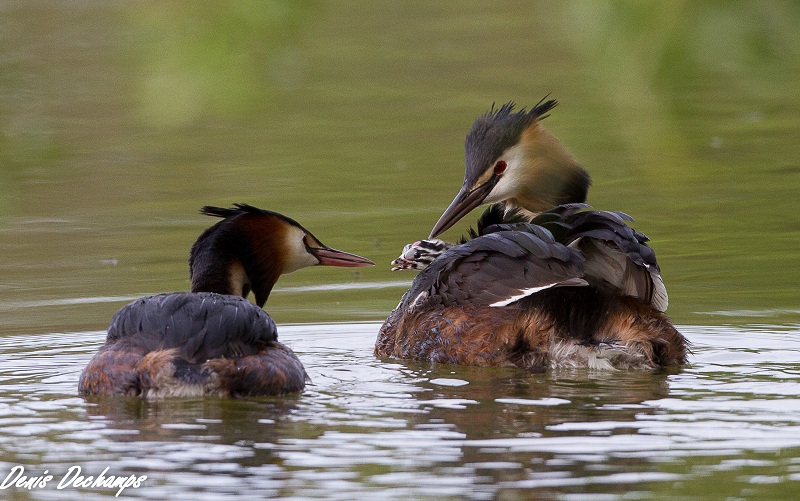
(499, 167)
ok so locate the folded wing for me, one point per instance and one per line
(496, 269)
(617, 257)
(202, 325)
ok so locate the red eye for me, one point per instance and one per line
(499, 167)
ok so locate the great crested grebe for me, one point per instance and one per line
(212, 340)
(567, 287)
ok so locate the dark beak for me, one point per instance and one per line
(333, 257)
(465, 201)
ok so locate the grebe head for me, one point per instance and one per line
(511, 158)
(251, 247)
(420, 254)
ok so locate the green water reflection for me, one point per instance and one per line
(119, 120)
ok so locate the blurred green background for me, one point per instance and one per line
(118, 120)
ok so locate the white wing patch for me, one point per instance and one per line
(420, 297)
(523, 293)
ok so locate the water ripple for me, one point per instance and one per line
(372, 428)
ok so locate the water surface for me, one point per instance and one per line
(727, 426)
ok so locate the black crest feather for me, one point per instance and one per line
(237, 209)
(497, 130)
(241, 209)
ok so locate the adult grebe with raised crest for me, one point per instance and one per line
(212, 340)
(567, 287)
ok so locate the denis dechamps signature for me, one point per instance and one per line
(73, 478)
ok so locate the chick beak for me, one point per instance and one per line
(333, 257)
(466, 200)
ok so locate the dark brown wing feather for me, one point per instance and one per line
(496, 268)
(185, 344)
(617, 256)
(202, 325)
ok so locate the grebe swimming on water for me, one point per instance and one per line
(213, 341)
(568, 287)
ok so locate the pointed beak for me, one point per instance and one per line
(333, 257)
(465, 201)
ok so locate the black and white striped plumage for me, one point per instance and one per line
(496, 269)
(509, 261)
(570, 286)
(420, 254)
